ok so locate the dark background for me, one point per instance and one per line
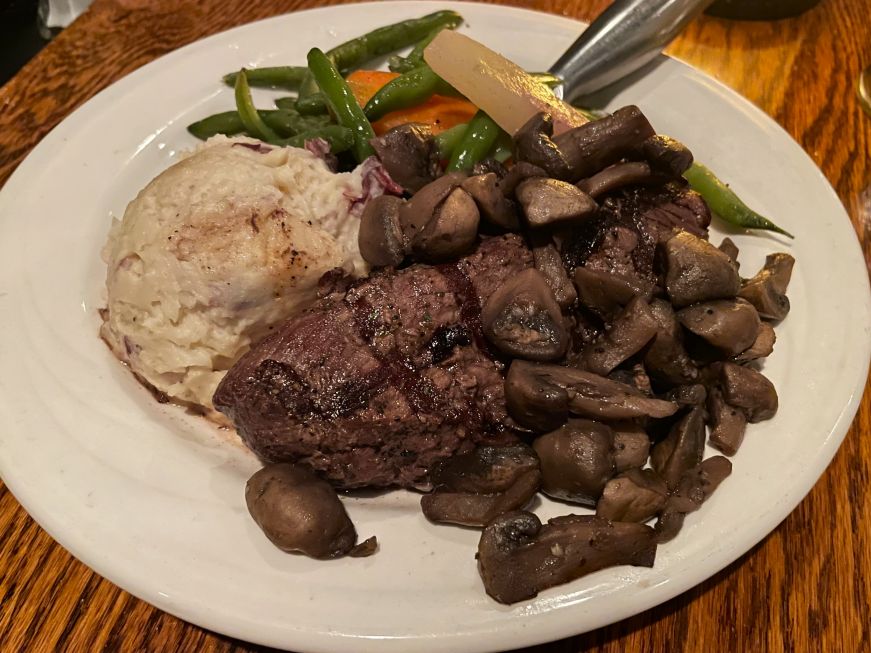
(19, 36)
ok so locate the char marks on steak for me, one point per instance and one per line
(381, 378)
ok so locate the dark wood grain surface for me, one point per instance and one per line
(807, 587)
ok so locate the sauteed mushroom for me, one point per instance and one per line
(577, 460)
(666, 359)
(409, 155)
(533, 144)
(696, 271)
(635, 495)
(595, 145)
(730, 325)
(548, 201)
(492, 204)
(518, 557)
(730, 249)
(626, 336)
(450, 232)
(767, 290)
(695, 487)
(682, 449)
(667, 154)
(549, 263)
(727, 424)
(474, 488)
(631, 446)
(519, 172)
(523, 319)
(605, 293)
(380, 239)
(761, 347)
(747, 389)
(299, 512)
(420, 209)
(614, 177)
(540, 396)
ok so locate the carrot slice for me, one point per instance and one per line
(439, 112)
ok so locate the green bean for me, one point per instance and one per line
(230, 122)
(312, 105)
(407, 90)
(356, 52)
(504, 148)
(254, 124)
(342, 102)
(725, 203)
(286, 102)
(289, 77)
(548, 79)
(476, 143)
(448, 140)
(340, 138)
(400, 64)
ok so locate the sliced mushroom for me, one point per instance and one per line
(533, 144)
(635, 495)
(474, 488)
(451, 232)
(549, 262)
(730, 249)
(576, 460)
(548, 201)
(696, 271)
(682, 449)
(730, 325)
(534, 399)
(695, 487)
(606, 293)
(489, 165)
(518, 557)
(409, 155)
(517, 173)
(761, 347)
(667, 154)
(380, 239)
(494, 207)
(631, 446)
(614, 177)
(299, 512)
(767, 290)
(630, 331)
(693, 394)
(540, 396)
(420, 209)
(747, 389)
(523, 319)
(727, 423)
(595, 145)
(666, 360)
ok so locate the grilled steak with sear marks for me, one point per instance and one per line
(379, 380)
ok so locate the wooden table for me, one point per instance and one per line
(807, 587)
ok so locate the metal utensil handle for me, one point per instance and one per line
(627, 35)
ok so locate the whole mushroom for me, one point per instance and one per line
(299, 512)
(576, 460)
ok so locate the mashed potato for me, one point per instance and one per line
(216, 250)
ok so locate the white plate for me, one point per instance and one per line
(153, 499)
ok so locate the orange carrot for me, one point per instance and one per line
(439, 112)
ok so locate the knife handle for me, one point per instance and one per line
(624, 37)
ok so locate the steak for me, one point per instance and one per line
(382, 377)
